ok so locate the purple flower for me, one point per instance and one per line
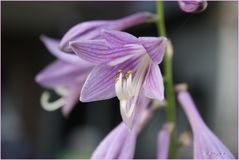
(192, 6)
(164, 141)
(126, 65)
(91, 29)
(120, 142)
(206, 144)
(66, 76)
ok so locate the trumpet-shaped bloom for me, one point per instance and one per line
(66, 76)
(120, 142)
(193, 5)
(164, 141)
(126, 65)
(91, 29)
(206, 144)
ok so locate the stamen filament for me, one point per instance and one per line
(51, 106)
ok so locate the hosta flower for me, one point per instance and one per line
(126, 66)
(120, 142)
(70, 71)
(66, 76)
(91, 29)
(164, 141)
(206, 144)
(193, 5)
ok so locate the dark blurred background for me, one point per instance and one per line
(205, 56)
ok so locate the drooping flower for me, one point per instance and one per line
(66, 76)
(69, 70)
(164, 141)
(120, 142)
(91, 29)
(126, 65)
(206, 143)
(192, 5)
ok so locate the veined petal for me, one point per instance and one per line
(155, 47)
(193, 5)
(117, 38)
(96, 51)
(62, 73)
(91, 29)
(81, 31)
(206, 144)
(52, 46)
(72, 98)
(153, 84)
(164, 141)
(100, 84)
(120, 143)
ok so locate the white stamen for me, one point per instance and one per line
(51, 106)
(62, 91)
(128, 87)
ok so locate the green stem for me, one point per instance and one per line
(168, 77)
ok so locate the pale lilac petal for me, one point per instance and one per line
(193, 5)
(155, 47)
(72, 98)
(103, 147)
(117, 38)
(91, 30)
(206, 144)
(120, 143)
(153, 84)
(100, 84)
(81, 31)
(128, 149)
(62, 73)
(96, 51)
(52, 46)
(163, 142)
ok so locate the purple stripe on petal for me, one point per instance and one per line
(91, 30)
(96, 51)
(118, 144)
(153, 84)
(155, 47)
(103, 147)
(100, 84)
(117, 38)
(206, 143)
(52, 46)
(81, 31)
(61, 73)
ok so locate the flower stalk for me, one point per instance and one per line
(168, 80)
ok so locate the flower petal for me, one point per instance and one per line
(91, 29)
(97, 52)
(81, 31)
(72, 98)
(117, 38)
(155, 47)
(100, 84)
(104, 145)
(153, 84)
(62, 73)
(118, 144)
(193, 5)
(206, 144)
(164, 141)
(52, 46)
